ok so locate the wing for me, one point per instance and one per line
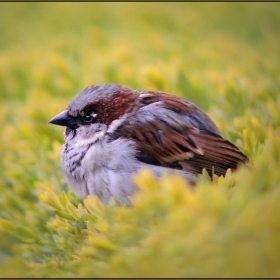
(172, 132)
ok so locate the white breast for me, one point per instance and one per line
(99, 168)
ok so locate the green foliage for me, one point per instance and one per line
(224, 57)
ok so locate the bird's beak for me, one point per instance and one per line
(64, 119)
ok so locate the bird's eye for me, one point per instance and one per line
(88, 118)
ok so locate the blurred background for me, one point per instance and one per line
(224, 57)
(63, 47)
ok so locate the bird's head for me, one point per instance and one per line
(95, 108)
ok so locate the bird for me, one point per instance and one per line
(112, 131)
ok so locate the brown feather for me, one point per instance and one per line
(182, 137)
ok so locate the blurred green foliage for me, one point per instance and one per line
(222, 56)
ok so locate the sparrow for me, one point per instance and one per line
(112, 131)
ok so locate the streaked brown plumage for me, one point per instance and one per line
(189, 146)
(112, 131)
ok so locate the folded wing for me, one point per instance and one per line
(172, 132)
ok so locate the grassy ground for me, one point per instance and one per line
(222, 56)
